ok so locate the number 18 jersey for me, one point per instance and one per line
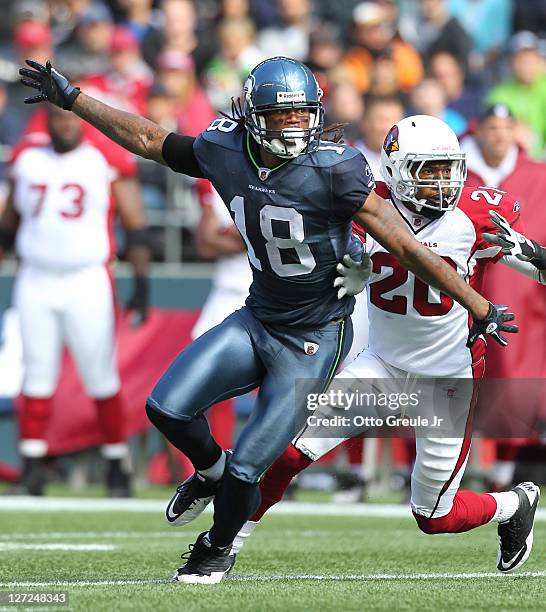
(295, 221)
(413, 326)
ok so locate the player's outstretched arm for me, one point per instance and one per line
(381, 221)
(520, 253)
(136, 134)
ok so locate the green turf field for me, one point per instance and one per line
(118, 560)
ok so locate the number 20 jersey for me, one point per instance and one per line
(413, 326)
(295, 220)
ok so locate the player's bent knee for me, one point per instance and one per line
(292, 461)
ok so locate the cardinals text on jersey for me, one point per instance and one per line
(413, 326)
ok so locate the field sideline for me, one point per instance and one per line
(110, 554)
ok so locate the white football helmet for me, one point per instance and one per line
(411, 143)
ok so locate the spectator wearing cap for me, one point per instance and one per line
(428, 98)
(460, 97)
(33, 39)
(226, 72)
(87, 51)
(525, 92)
(176, 71)
(495, 159)
(374, 36)
(292, 34)
(128, 79)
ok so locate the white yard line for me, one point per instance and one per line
(287, 577)
(91, 535)
(71, 504)
(57, 546)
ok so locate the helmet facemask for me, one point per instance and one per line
(409, 182)
(288, 142)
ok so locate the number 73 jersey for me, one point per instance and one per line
(413, 326)
(295, 221)
(64, 202)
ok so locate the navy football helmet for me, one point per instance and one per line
(283, 83)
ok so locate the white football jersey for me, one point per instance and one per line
(65, 205)
(413, 326)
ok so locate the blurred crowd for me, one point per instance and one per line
(180, 62)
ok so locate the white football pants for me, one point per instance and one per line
(73, 308)
(440, 461)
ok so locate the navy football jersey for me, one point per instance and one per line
(295, 220)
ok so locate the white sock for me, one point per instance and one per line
(507, 504)
(215, 471)
(243, 534)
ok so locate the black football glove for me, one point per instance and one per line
(52, 85)
(495, 322)
(139, 301)
(514, 243)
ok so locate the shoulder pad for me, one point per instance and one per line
(329, 154)
(476, 202)
(225, 133)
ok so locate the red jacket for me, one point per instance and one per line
(525, 356)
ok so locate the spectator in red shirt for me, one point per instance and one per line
(129, 78)
(495, 159)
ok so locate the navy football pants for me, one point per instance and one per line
(238, 355)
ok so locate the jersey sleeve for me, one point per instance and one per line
(179, 154)
(477, 204)
(352, 182)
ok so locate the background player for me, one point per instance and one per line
(292, 200)
(418, 333)
(60, 207)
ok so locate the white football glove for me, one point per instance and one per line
(515, 244)
(353, 275)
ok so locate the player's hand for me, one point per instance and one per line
(139, 301)
(51, 85)
(495, 322)
(353, 275)
(514, 243)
